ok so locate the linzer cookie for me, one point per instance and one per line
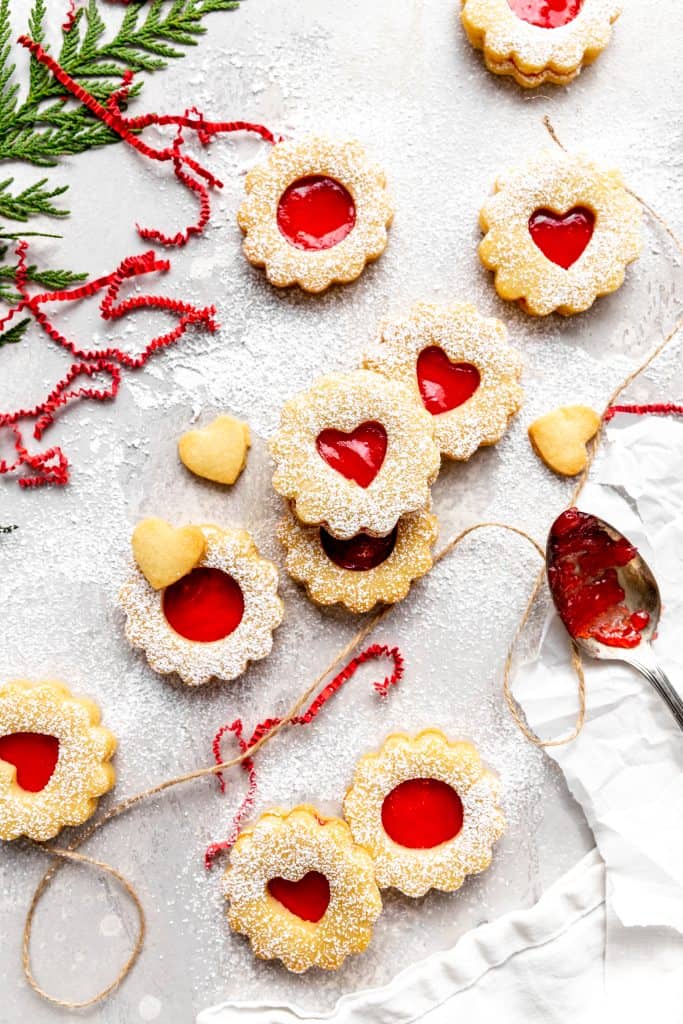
(364, 570)
(427, 811)
(459, 366)
(354, 453)
(214, 619)
(539, 41)
(301, 890)
(316, 212)
(54, 759)
(559, 232)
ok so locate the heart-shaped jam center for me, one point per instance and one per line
(546, 13)
(444, 385)
(359, 455)
(205, 605)
(361, 552)
(583, 564)
(562, 237)
(308, 898)
(34, 755)
(422, 813)
(316, 213)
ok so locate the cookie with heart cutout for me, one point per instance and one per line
(54, 759)
(217, 452)
(301, 890)
(459, 366)
(558, 232)
(537, 41)
(354, 453)
(560, 437)
(212, 621)
(427, 811)
(316, 212)
(361, 572)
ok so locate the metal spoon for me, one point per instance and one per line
(642, 592)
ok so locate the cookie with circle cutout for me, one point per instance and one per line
(536, 41)
(301, 890)
(316, 212)
(54, 759)
(559, 232)
(212, 621)
(427, 811)
(361, 572)
(459, 366)
(354, 453)
(560, 437)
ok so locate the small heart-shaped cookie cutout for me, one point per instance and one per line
(444, 385)
(562, 237)
(165, 554)
(34, 755)
(357, 455)
(560, 437)
(308, 898)
(218, 452)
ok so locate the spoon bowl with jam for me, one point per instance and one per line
(607, 597)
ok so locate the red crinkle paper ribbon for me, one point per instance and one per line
(52, 466)
(654, 409)
(237, 729)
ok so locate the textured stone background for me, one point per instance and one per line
(402, 78)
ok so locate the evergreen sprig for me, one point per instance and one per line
(15, 333)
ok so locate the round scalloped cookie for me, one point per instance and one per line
(54, 759)
(426, 810)
(559, 232)
(457, 364)
(535, 41)
(316, 212)
(214, 620)
(301, 890)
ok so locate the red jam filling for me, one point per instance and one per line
(359, 455)
(546, 13)
(34, 755)
(316, 213)
(204, 606)
(444, 385)
(583, 560)
(361, 552)
(422, 813)
(308, 898)
(562, 237)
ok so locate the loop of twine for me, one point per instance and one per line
(64, 854)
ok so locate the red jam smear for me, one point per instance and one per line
(204, 606)
(444, 385)
(316, 213)
(583, 560)
(34, 755)
(359, 455)
(361, 553)
(562, 237)
(422, 813)
(546, 13)
(308, 898)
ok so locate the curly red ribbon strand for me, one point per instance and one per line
(371, 653)
(654, 409)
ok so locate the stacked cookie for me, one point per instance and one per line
(356, 454)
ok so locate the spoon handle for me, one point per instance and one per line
(657, 678)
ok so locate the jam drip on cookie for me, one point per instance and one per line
(546, 13)
(308, 898)
(562, 237)
(422, 813)
(444, 385)
(361, 553)
(316, 213)
(34, 756)
(583, 564)
(204, 606)
(358, 455)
